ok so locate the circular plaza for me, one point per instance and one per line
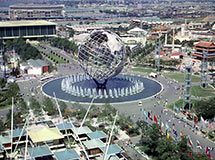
(119, 89)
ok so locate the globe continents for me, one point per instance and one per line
(102, 55)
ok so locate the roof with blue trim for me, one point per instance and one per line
(17, 132)
(67, 154)
(97, 135)
(94, 143)
(112, 150)
(81, 130)
(40, 151)
(4, 140)
(64, 125)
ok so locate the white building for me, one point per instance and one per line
(34, 67)
(138, 32)
(135, 36)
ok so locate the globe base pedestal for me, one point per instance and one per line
(99, 85)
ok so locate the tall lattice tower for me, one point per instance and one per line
(204, 69)
(187, 86)
(158, 50)
(204, 51)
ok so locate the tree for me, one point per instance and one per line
(12, 90)
(71, 32)
(63, 106)
(184, 150)
(22, 106)
(205, 108)
(150, 140)
(2, 82)
(142, 125)
(15, 72)
(177, 41)
(48, 106)
(2, 127)
(23, 49)
(200, 156)
(166, 150)
(35, 105)
(133, 131)
(64, 44)
(17, 119)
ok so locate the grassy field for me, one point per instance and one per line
(177, 104)
(143, 70)
(56, 59)
(198, 91)
(180, 76)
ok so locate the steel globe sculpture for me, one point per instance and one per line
(102, 56)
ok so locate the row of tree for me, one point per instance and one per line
(158, 146)
(65, 44)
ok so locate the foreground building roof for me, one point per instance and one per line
(94, 143)
(97, 135)
(67, 154)
(40, 151)
(112, 150)
(45, 134)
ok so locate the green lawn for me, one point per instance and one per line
(178, 76)
(143, 70)
(177, 103)
(198, 91)
(56, 59)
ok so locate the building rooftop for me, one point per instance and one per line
(205, 44)
(28, 6)
(45, 134)
(25, 23)
(16, 132)
(137, 29)
(81, 130)
(37, 63)
(112, 150)
(39, 151)
(4, 140)
(1, 148)
(67, 154)
(97, 135)
(41, 62)
(94, 143)
(64, 125)
(177, 54)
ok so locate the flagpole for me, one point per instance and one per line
(111, 133)
(76, 135)
(85, 116)
(12, 128)
(60, 114)
(26, 140)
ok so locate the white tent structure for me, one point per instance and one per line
(137, 31)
